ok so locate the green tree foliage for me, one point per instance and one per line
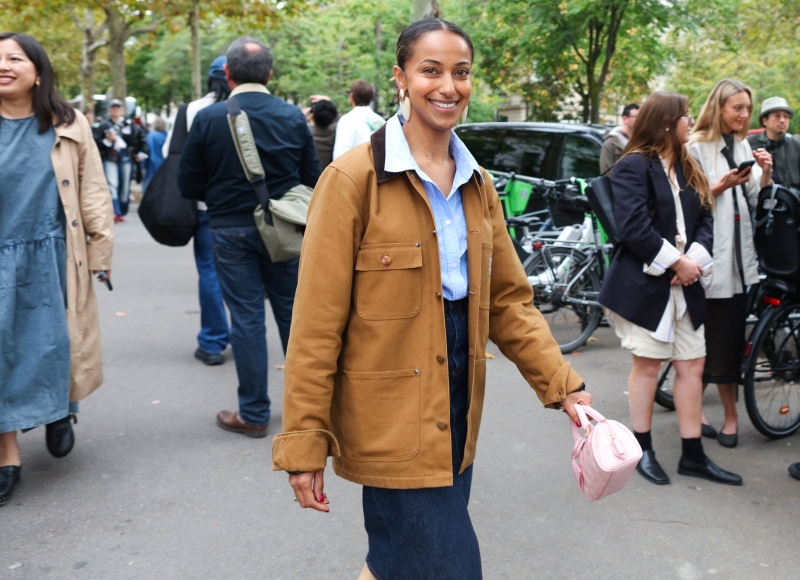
(746, 40)
(550, 51)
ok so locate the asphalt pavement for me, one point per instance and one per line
(155, 490)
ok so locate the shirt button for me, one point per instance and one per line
(65, 183)
(441, 425)
(440, 358)
(447, 222)
(386, 260)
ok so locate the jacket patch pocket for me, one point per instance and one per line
(380, 415)
(389, 281)
(486, 274)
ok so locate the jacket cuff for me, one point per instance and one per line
(564, 382)
(700, 255)
(303, 450)
(98, 258)
(665, 258)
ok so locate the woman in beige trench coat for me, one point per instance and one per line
(56, 228)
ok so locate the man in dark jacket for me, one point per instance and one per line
(616, 139)
(121, 142)
(785, 149)
(210, 171)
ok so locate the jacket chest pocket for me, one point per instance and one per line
(389, 281)
(486, 274)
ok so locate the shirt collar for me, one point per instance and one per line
(249, 88)
(399, 158)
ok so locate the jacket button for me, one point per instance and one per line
(440, 358)
(441, 425)
(74, 223)
(438, 294)
(65, 183)
(386, 260)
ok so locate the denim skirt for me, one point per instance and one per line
(426, 534)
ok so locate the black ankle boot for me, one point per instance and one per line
(59, 436)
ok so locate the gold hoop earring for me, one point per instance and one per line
(405, 104)
(38, 82)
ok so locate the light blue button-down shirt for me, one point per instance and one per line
(448, 211)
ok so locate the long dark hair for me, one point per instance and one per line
(413, 32)
(50, 109)
(219, 86)
(653, 135)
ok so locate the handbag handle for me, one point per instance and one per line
(583, 411)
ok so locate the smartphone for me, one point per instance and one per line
(104, 278)
(745, 165)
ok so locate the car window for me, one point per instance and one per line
(522, 152)
(481, 142)
(581, 158)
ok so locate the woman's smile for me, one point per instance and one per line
(447, 105)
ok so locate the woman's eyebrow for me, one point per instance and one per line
(433, 61)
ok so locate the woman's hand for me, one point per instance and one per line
(579, 397)
(732, 179)
(764, 161)
(687, 271)
(309, 490)
(99, 278)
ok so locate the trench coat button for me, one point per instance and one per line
(440, 358)
(441, 425)
(386, 260)
(417, 244)
(65, 183)
(74, 223)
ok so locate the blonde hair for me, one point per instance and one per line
(654, 135)
(709, 124)
(159, 124)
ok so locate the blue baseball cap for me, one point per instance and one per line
(216, 69)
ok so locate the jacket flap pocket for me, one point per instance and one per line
(400, 256)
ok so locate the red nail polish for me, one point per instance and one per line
(322, 498)
(578, 423)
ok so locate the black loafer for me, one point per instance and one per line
(707, 430)
(708, 470)
(728, 440)
(649, 468)
(9, 476)
(794, 470)
(208, 358)
(59, 436)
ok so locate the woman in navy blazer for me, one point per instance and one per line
(655, 284)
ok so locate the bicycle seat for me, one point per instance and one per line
(523, 221)
(581, 203)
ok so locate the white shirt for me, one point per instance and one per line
(355, 128)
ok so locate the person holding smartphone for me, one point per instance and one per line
(718, 141)
(56, 229)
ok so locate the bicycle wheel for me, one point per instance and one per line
(556, 275)
(666, 376)
(772, 373)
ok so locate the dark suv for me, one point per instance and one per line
(546, 150)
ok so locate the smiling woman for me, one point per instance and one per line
(55, 227)
(407, 242)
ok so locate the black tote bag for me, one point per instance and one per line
(169, 218)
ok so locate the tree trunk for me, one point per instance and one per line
(194, 25)
(426, 9)
(87, 61)
(117, 35)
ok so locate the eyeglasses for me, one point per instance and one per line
(688, 117)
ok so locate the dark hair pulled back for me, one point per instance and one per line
(48, 106)
(412, 33)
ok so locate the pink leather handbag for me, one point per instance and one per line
(605, 456)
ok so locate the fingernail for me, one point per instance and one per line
(322, 498)
(578, 423)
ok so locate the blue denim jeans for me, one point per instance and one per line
(245, 274)
(214, 335)
(118, 176)
(427, 534)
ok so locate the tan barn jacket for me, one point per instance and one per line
(90, 239)
(366, 368)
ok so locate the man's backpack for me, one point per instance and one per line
(168, 217)
(281, 222)
(777, 235)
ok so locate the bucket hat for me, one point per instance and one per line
(774, 104)
(216, 69)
